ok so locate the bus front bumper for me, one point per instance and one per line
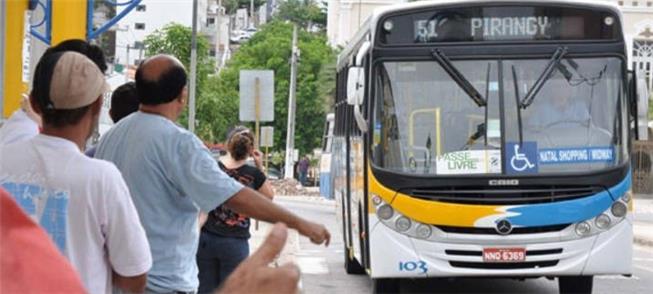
(395, 255)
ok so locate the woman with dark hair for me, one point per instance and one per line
(224, 238)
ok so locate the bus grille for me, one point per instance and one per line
(504, 266)
(492, 231)
(506, 196)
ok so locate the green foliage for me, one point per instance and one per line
(175, 39)
(302, 12)
(270, 48)
(326, 85)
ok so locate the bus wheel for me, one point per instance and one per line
(576, 284)
(385, 286)
(352, 266)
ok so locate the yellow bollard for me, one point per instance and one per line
(68, 20)
(12, 81)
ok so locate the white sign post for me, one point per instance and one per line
(267, 140)
(256, 98)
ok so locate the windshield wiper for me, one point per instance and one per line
(458, 77)
(519, 122)
(546, 74)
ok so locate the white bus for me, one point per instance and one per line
(486, 139)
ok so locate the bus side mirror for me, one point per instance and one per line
(355, 85)
(642, 100)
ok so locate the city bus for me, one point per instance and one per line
(325, 157)
(486, 139)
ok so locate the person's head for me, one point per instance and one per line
(67, 91)
(161, 82)
(560, 90)
(124, 101)
(240, 143)
(92, 52)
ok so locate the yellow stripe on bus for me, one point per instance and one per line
(430, 212)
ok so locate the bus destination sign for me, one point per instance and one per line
(491, 28)
(512, 23)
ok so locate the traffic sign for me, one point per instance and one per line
(256, 95)
(267, 137)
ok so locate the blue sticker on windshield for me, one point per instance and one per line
(576, 155)
(522, 158)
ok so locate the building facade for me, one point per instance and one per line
(149, 16)
(344, 17)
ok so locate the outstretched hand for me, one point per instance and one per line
(317, 233)
(254, 275)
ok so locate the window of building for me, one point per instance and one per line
(643, 58)
(138, 45)
(139, 26)
(649, 3)
(635, 3)
(141, 7)
(621, 3)
(210, 21)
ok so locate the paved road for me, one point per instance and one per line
(323, 270)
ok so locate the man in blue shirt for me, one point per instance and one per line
(172, 177)
(560, 107)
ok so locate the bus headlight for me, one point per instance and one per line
(583, 228)
(423, 231)
(402, 224)
(384, 212)
(602, 221)
(619, 209)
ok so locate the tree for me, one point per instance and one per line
(270, 49)
(304, 13)
(175, 39)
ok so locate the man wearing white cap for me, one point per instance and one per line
(82, 203)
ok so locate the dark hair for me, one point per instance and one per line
(239, 142)
(166, 88)
(41, 94)
(124, 101)
(93, 52)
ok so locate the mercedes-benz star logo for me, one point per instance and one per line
(504, 227)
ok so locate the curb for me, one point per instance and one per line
(307, 199)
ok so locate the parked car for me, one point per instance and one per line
(273, 173)
(250, 31)
(239, 37)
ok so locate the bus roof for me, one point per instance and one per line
(366, 29)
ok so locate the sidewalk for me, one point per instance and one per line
(643, 221)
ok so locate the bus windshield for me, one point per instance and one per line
(424, 123)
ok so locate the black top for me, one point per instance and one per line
(226, 222)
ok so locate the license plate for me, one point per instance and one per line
(504, 254)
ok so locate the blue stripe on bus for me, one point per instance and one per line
(567, 212)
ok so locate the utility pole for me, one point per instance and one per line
(251, 13)
(193, 72)
(2, 57)
(126, 70)
(290, 135)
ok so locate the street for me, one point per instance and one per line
(323, 272)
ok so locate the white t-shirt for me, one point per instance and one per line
(18, 127)
(82, 203)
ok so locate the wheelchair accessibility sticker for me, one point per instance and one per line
(522, 158)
